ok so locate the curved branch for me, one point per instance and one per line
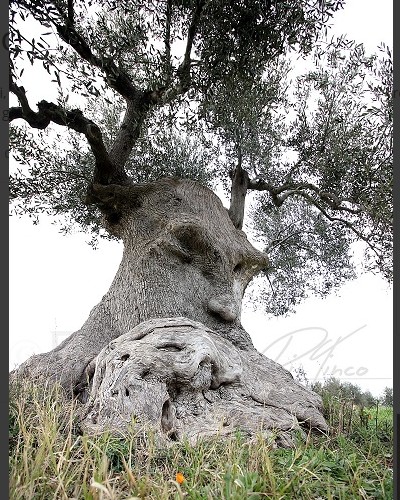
(106, 171)
(138, 101)
(115, 76)
(286, 190)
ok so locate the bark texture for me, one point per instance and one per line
(183, 258)
(184, 380)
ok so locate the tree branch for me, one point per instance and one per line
(115, 76)
(166, 94)
(240, 181)
(167, 43)
(105, 170)
(288, 189)
(129, 132)
(298, 189)
(185, 66)
(138, 101)
(71, 12)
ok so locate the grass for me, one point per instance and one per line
(50, 460)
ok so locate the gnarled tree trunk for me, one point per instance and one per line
(185, 268)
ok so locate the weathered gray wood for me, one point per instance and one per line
(183, 258)
(185, 381)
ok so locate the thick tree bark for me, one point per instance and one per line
(184, 380)
(183, 258)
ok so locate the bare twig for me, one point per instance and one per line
(277, 244)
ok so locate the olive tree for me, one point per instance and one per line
(176, 96)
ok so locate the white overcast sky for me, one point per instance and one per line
(56, 280)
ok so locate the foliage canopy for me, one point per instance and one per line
(206, 90)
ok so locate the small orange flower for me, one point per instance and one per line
(180, 477)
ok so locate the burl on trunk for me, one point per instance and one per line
(165, 346)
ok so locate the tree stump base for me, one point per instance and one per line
(183, 380)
